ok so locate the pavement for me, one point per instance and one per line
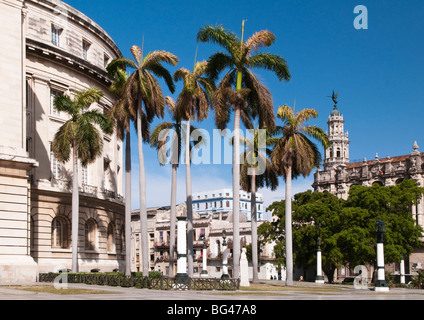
(300, 291)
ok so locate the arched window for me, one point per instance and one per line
(338, 153)
(123, 238)
(59, 236)
(90, 234)
(111, 238)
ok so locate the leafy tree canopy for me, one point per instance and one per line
(347, 228)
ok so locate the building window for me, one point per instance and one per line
(111, 238)
(53, 95)
(59, 237)
(55, 167)
(84, 175)
(90, 234)
(106, 59)
(85, 47)
(123, 238)
(56, 32)
(228, 204)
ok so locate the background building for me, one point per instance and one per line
(51, 48)
(339, 175)
(208, 225)
(220, 204)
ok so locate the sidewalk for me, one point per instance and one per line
(303, 291)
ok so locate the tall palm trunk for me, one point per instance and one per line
(75, 209)
(189, 204)
(288, 225)
(128, 204)
(173, 220)
(143, 211)
(254, 228)
(236, 194)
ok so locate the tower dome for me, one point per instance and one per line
(335, 112)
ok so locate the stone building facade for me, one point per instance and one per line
(51, 48)
(210, 226)
(338, 175)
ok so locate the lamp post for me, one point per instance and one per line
(225, 275)
(181, 249)
(205, 258)
(319, 278)
(381, 284)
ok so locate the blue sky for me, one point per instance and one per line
(377, 71)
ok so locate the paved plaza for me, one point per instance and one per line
(300, 291)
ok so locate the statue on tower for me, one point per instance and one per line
(334, 97)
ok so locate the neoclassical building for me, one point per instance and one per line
(50, 48)
(338, 174)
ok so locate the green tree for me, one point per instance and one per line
(194, 101)
(391, 205)
(249, 95)
(347, 228)
(294, 155)
(316, 215)
(256, 171)
(143, 95)
(80, 135)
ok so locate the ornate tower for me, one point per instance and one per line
(337, 154)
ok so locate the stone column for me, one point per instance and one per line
(381, 284)
(225, 275)
(244, 269)
(205, 260)
(402, 270)
(420, 211)
(319, 278)
(181, 248)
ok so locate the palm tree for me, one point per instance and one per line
(143, 95)
(294, 155)
(121, 115)
(174, 131)
(194, 102)
(240, 57)
(256, 171)
(158, 140)
(85, 140)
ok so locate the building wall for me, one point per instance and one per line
(221, 200)
(35, 67)
(207, 225)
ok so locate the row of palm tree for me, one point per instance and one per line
(139, 99)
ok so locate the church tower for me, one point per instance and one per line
(337, 154)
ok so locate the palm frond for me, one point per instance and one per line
(217, 62)
(159, 56)
(259, 39)
(137, 54)
(62, 142)
(120, 63)
(160, 71)
(317, 133)
(272, 62)
(84, 99)
(64, 103)
(218, 35)
(96, 116)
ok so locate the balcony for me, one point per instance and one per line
(162, 245)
